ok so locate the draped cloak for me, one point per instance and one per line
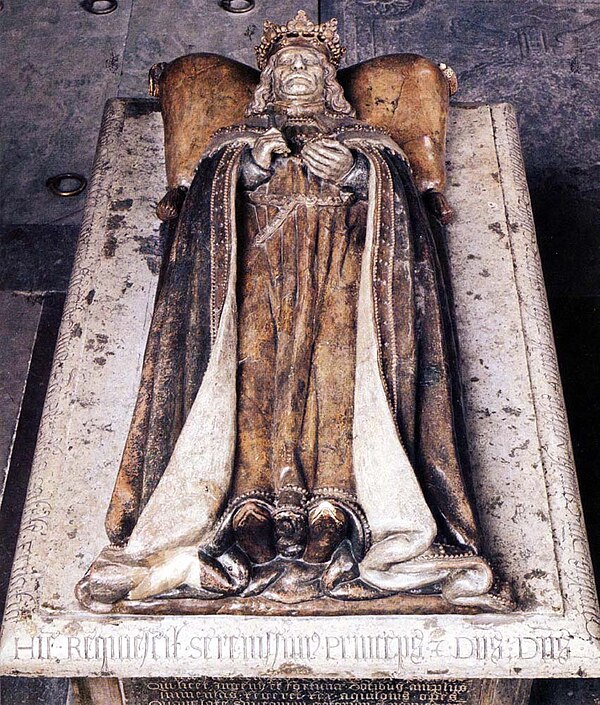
(410, 459)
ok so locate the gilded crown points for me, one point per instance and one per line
(323, 37)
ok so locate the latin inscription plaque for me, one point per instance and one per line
(297, 691)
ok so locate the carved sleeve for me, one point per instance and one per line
(251, 174)
(357, 179)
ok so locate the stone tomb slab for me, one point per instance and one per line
(525, 481)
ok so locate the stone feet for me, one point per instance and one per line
(328, 528)
(254, 532)
(290, 529)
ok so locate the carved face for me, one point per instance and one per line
(298, 75)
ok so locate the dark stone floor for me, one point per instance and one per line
(61, 63)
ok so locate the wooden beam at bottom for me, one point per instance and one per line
(97, 691)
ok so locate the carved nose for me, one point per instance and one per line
(299, 62)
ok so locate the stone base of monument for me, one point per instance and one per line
(410, 650)
(302, 691)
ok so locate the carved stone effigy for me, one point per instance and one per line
(158, 601)
(524, 475)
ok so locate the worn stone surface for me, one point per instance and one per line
(542, 57)
(64, 64)
(502, 425)
(517, 430)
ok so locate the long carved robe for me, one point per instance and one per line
(401, 446)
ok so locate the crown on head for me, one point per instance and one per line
(300, 30)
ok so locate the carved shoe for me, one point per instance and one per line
(253, 530)
(327, 528)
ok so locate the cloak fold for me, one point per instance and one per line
(176, 356)
(403, 291)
